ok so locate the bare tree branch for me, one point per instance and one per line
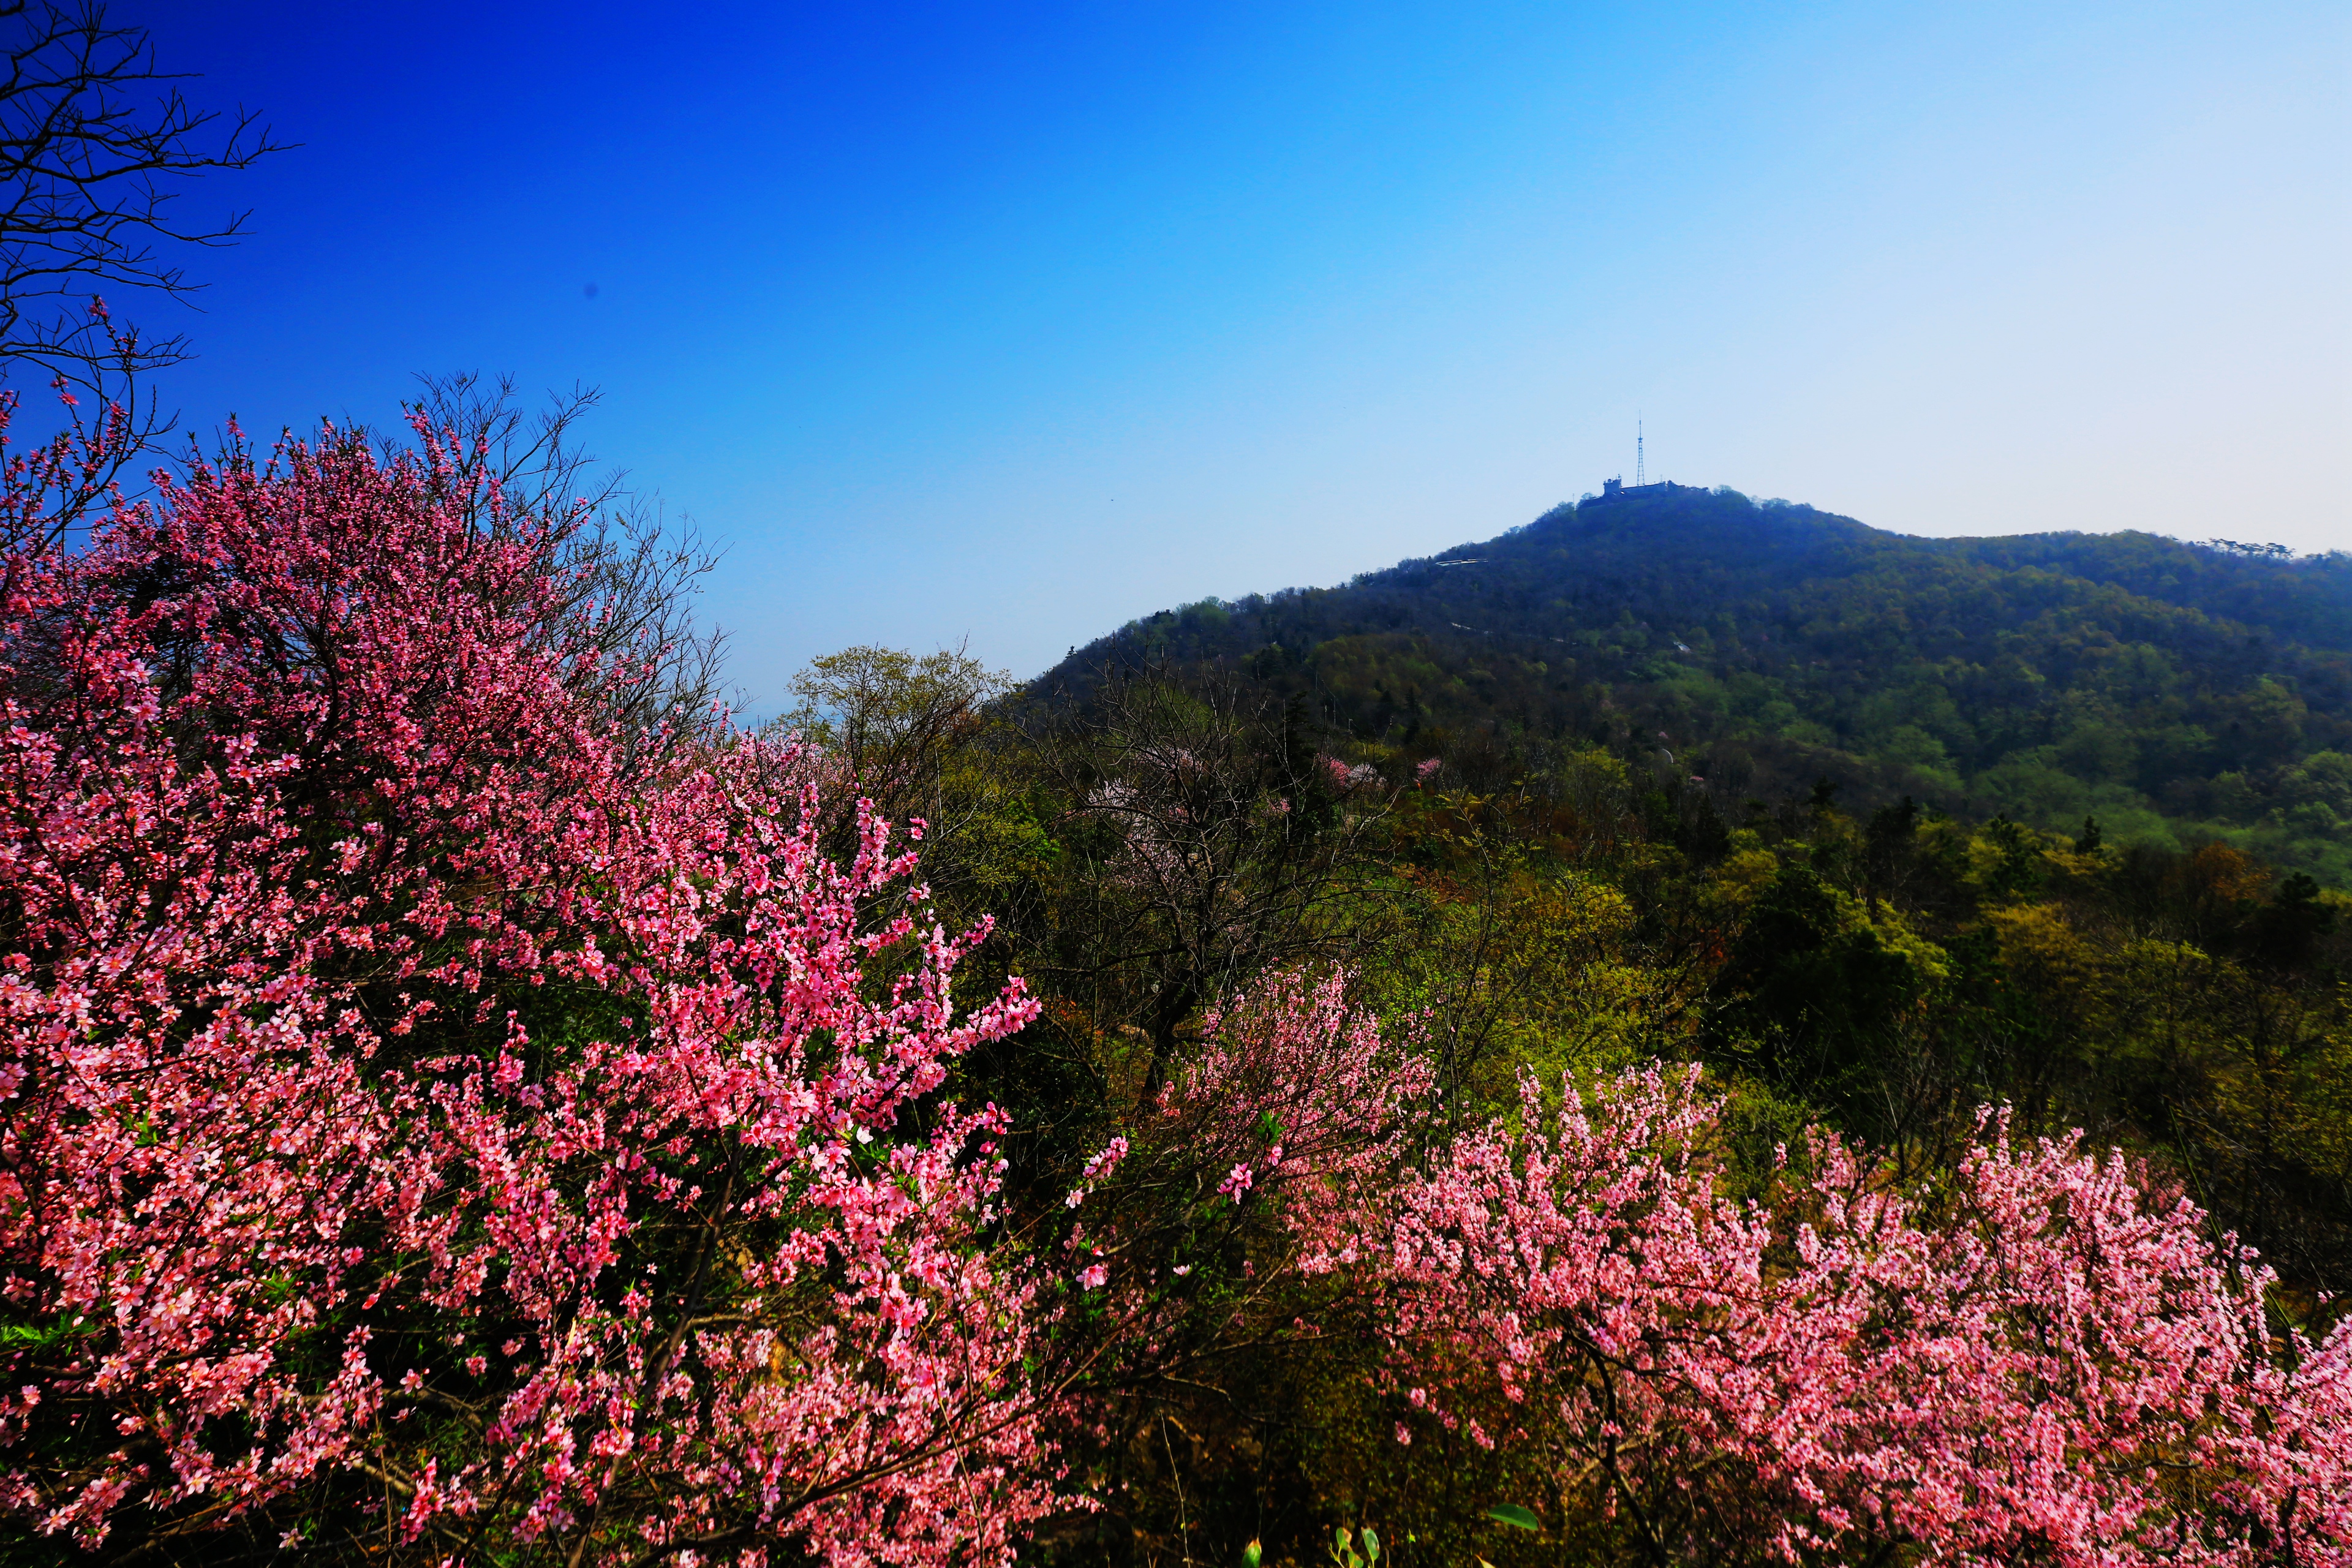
(97, 143)
(658, 676)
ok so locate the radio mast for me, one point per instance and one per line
(1640, 475)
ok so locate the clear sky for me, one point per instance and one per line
(1012, 322)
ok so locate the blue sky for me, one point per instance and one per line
(1012, 322)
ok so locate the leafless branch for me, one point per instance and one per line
(97, 145)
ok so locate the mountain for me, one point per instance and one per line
(2176, 692)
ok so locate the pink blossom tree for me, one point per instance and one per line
(419, 1125)
(1294, 1109)
(2045, 1357)
(1192, 1227)
(2050, 1359)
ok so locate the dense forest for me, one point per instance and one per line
(2180, 694)
(1874, 831)
(1550, 907)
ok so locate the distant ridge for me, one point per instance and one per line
(2176, 690)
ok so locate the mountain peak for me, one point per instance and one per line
(2175, 690)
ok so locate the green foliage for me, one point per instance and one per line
(1344, 1553)
(2179, 692)
(1825, 944)
(1812, 984)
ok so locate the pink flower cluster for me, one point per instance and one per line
(2045, 1357)
(1292, 1086)
(2046, 1362)
(399, 1084)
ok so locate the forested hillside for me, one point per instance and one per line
(2179, 692)
(1545, 922)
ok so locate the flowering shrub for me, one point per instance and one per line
(2049, 1362)
(1291, 1110)
(1292, 1086)
(2045, 1357)
(418, 1124)
(1196, 1228)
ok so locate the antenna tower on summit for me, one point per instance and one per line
(1640, 477)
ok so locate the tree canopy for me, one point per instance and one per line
(2179, 692)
